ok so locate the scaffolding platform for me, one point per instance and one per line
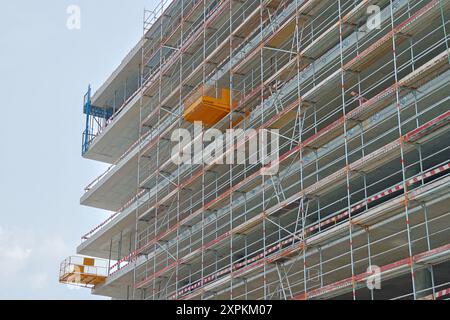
(83, 272)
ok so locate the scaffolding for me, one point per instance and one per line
(81, 271)
(364, 172)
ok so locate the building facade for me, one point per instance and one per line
(358, 92)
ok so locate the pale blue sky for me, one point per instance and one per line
(44, 71)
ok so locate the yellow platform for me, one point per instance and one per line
(208, 110)
(85, 272)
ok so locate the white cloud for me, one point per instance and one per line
(29, 258)
(29, 265)
(13, 255)
(39, 281)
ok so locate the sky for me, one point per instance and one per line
(45, 69)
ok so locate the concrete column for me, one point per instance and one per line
(424, 282)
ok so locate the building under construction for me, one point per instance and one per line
(360, 205)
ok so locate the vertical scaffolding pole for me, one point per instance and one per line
(263, 178)
(402, 152)
(347, 163)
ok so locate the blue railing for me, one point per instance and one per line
(94, 115)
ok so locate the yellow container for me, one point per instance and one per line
(208, 110)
